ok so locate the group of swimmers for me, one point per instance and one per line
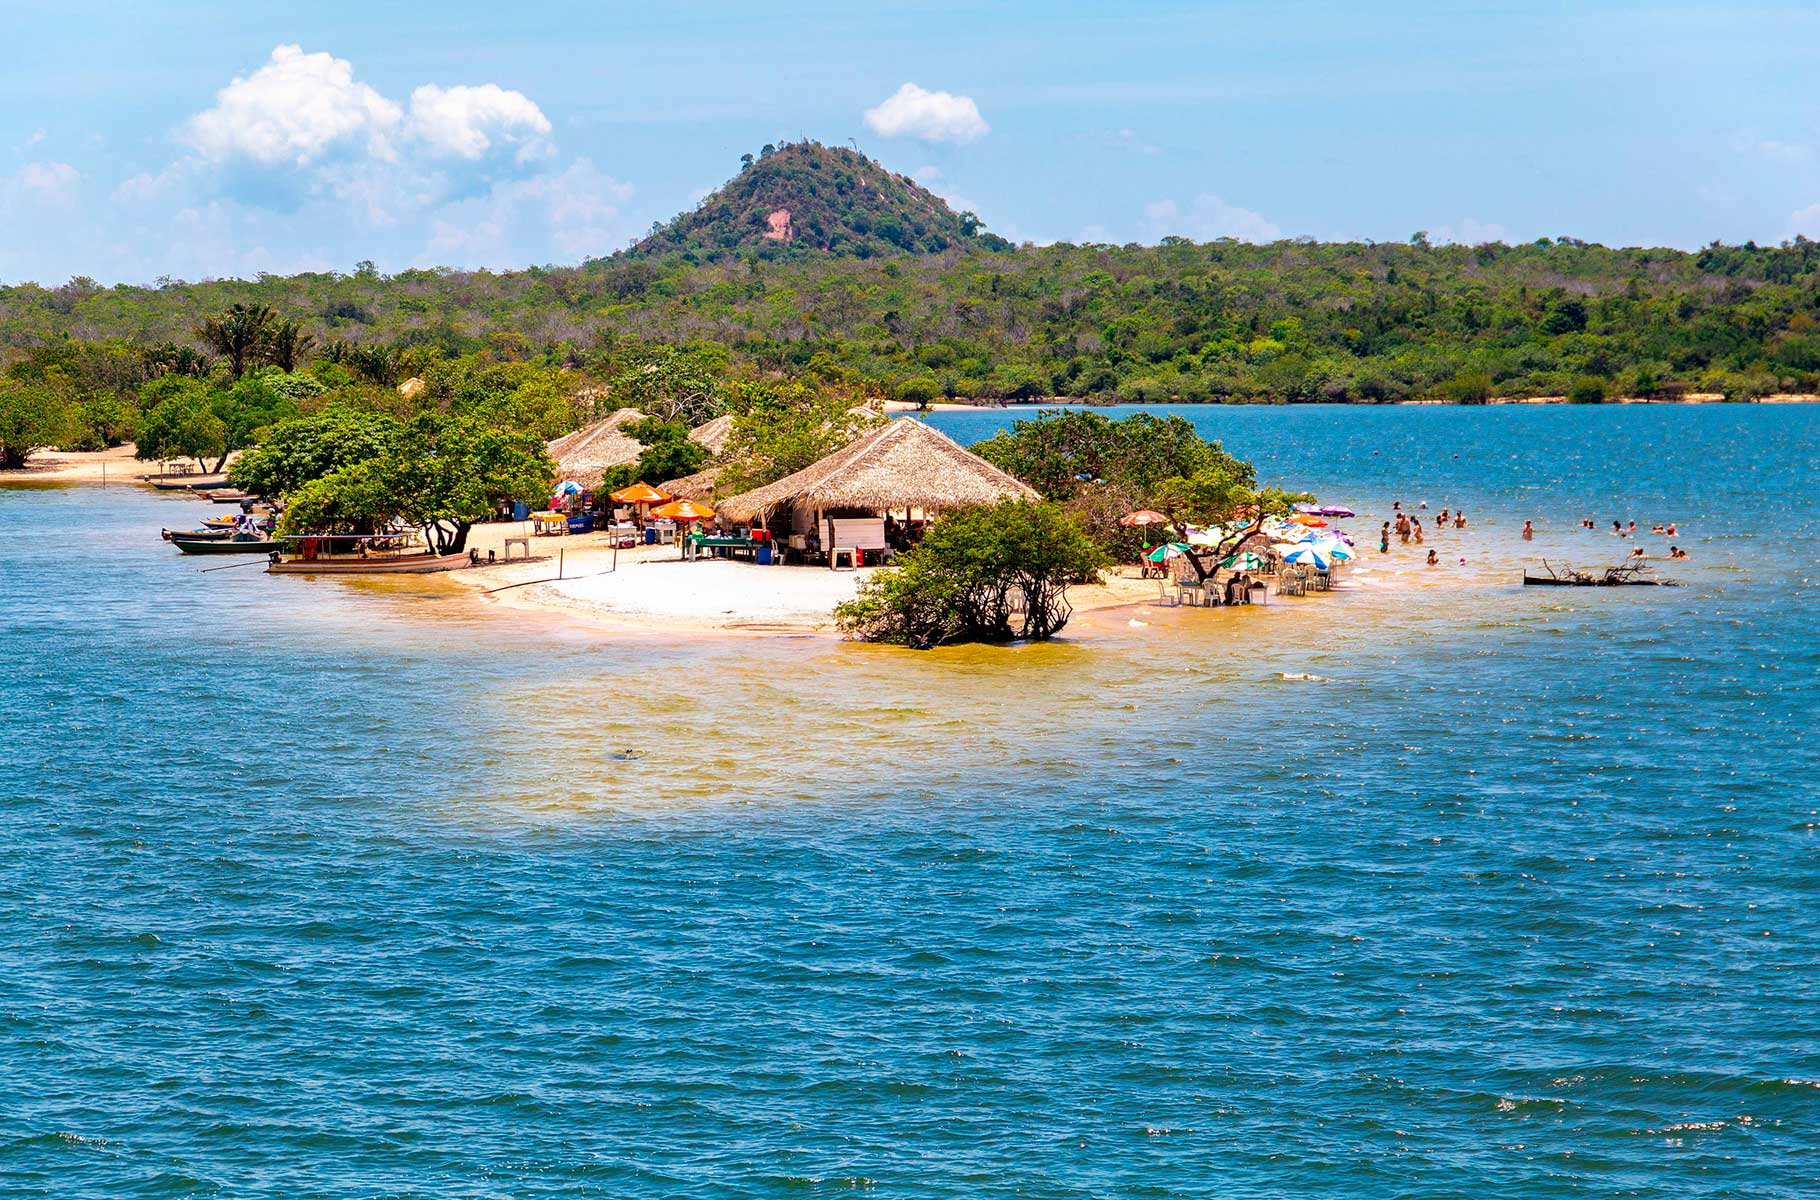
(1408, 527)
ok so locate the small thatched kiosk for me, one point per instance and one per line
(588, 453)
(842, 501)
(713, 434)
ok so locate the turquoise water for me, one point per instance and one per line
(327, 889)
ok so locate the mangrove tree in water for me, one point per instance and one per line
(980, 574)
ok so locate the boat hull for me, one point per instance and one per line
(228, 545)
(417, 564)
(1544, 581)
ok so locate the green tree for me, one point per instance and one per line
(240, 334)
(103, 420)
(984, 574)
(1588, 389)
(32, 417)
(301, 450)
(179, 421)
(780, 428)
(672, 384)
(287, 345)
(443, 474)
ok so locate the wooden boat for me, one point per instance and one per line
(238, 543)
(197, 535)
(193, 483)
(377, 564)
(229, 496)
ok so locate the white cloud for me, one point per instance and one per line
(1206, 219)
(467, 122)
(37, 135)
(294, 110)
(48, 182)
(1806, 221)
(573, 213)
(931, 116)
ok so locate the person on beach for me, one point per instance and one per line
(1417, 526)
(1638, 553)
(1670, 531)
(1434, 559)
(1676, 552)
(1459, 520)
(1441, 521)
(1617, 529)
(1403, 528)
(1632, 531)
(1586, 523)
(1529, 530)
(1384, 539)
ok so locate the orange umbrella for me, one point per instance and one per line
(1143, 516)
(638, 493)
(683, 510)
(1311, 522)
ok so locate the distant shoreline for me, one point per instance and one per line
(904, 406)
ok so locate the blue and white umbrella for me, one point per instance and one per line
(1308, 554)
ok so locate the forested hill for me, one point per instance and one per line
(1222, 321)
(806, 197)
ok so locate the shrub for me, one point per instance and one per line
(982, 574)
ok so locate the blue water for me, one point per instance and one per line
(326, 889)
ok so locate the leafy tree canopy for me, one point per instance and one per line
(307, 448)
(32, 416)
(986, 574)
(780, 428)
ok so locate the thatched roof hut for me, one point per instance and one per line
(699, 486)
(903, 464)
(714, 434)
(588, 453)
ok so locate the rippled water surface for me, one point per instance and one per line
(1436, 885)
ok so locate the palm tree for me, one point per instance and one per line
(288, 345)
(240, 333)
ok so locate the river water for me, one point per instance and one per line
(1435, 885)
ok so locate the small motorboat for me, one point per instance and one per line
(196, 535)
(237, 543)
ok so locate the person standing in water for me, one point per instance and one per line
(1529, 530)
(1417, 526)
(1384, 539)
(1434, 559)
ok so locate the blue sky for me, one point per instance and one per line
(196, 139)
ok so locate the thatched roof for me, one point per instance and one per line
(902, 464)
(699, 486)
(714, 434)
(589, 452)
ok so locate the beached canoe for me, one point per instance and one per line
(1550, 581)
(234, 544)
(397, 564)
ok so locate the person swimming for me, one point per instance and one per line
(1676, 552)
(1434, 559)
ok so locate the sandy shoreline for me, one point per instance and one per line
(651, 591)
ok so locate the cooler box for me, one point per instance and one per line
(521, 511)
(764, 554)
(650, 536)
(584, 523)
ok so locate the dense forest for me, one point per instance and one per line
(879, 282)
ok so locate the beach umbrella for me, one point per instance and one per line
(1335, 549)
(1307, 554)
(638, 493)
(1210, 536)
(1245, 562)
(1311, 522)
(683, 510)
(1167, 551)
(1333, 510)
(1143, 516)
(567, 487)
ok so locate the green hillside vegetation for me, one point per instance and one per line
(881, 285)
(806, 198)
